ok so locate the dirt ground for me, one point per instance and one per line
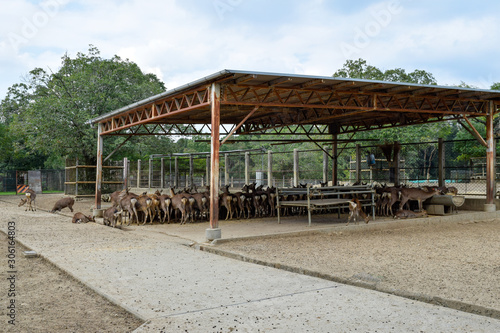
(456, 261)
(49, 300)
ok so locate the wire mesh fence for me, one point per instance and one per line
(417, 163)
(51, 180)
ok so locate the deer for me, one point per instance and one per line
(30, 199)
(165, 206)
(392, 193)
(179, 202)
(226, 200)
(420, 195)
(409, 214)
(356, 209)
(82, 218)
(63, 203)
(127, 202)
(144, 204)
(111, 216)
(115, 197)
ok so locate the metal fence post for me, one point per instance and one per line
(176, 172)
(162, 173)
(358, 163)
(441, 162)
(325, 166)
(226, 169)
(269, 168)
(150, 174)
(247, 168)
(138, 173)
(295, 167)
(125, 173)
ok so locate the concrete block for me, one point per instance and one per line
(212, 234)
(98, 212)
(490, 207)
(435, 209)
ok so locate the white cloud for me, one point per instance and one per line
(183, 41)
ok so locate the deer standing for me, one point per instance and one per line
(408, 193)
(356, 209)
(30, 199)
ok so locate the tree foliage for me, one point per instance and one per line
(51, 110)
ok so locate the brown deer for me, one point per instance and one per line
(179, 203)
(127, 201)
(144, 205)
(420, 195)
(111, 216)
(165, 206)
(226, 200)
(30, 199)
(63, 203)
(356, 209)
(409, 214)
(82, 218)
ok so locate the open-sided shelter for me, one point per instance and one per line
(242, 102)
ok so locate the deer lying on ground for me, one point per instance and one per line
(409, 214)
(356, 209)
(63, 203)
(82, 218)
(30, 199)
(111, 216)
(408, 193)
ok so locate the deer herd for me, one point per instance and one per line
(190, 205)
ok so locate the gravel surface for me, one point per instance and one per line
(458, 261)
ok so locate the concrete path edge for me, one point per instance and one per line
(449, 303)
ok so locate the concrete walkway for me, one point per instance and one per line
(176, 288)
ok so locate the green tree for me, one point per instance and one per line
(359, 69)
(52, 109)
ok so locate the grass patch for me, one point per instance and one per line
(44, 192)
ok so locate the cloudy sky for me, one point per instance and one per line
(183, 40)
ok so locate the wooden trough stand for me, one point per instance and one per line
(443, 204)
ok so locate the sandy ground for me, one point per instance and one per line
(49, 300)
(454, 261)
(458, 262)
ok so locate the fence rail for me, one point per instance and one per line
(418, 164)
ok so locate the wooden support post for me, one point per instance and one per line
(98, 180)
(214, 232)
(76, 175)
(358, 163)
(247, 168)
(441, 162)
(269, 168)
(490, 158)
(138, 173)
(295, 167)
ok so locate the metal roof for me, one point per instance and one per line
(274, 102)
